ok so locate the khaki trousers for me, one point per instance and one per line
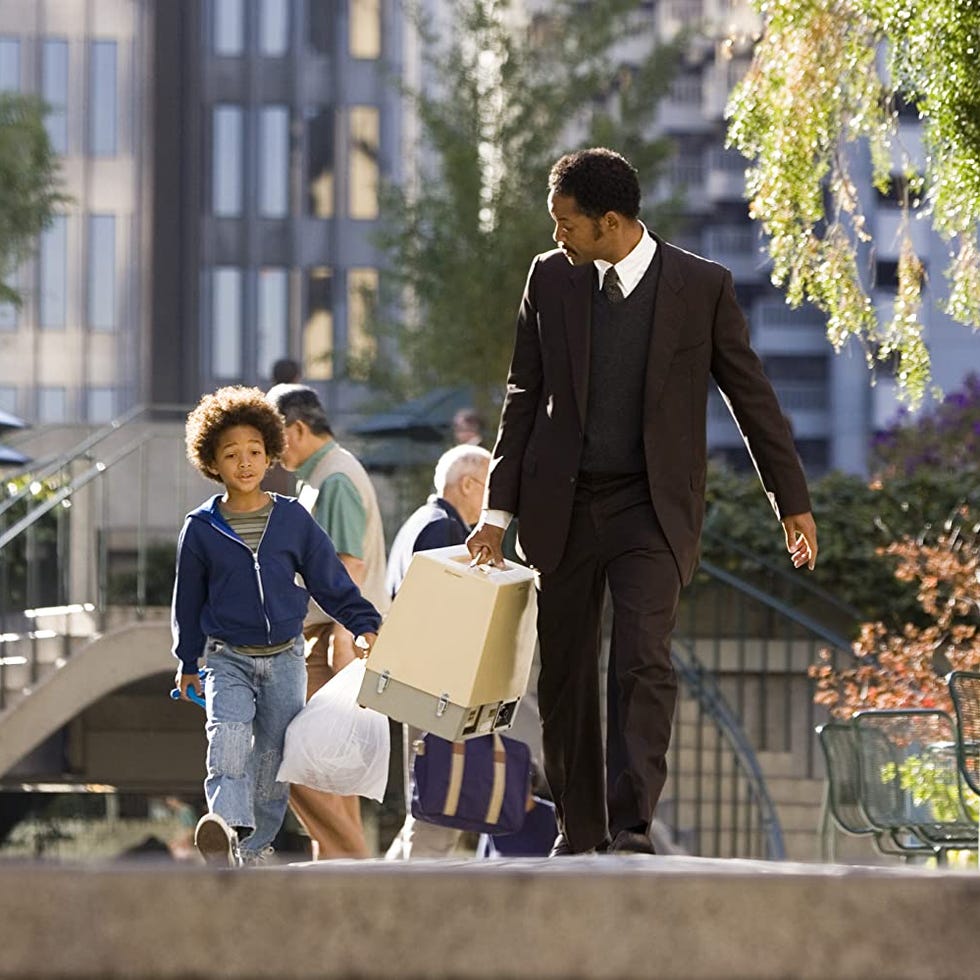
(333, 822)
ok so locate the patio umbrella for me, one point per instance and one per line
(8, 422)
(10, 457)
(428, 418)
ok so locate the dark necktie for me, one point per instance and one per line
(611, 287)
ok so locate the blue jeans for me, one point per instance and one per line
(250, 703)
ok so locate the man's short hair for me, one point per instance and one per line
(300, 403)
(600, 180)
(456, 463)
(286, 371)
(225, 408)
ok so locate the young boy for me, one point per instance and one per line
(236, 603)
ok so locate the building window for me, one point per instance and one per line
(100, 404)
(53, 269)
(8, 318)
(8, 312)
(103, 101)
(52, 404)
(101, 279)
(272, 322)
(364, 139)
(320, 161)
(9, 65)
(8, 399)
(273, 28)
(362, 292)
(320, 17)
(226, 323)
(227, 161)
(274, 162)
(229, 26)
(318, 328)
(54, 90)
(814, 454)
(365, 28)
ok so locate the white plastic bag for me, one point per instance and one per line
(334, 744)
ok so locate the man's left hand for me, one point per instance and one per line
(801, 539)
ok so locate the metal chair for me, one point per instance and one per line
(964, 687)
(842, 797)
(910, 778)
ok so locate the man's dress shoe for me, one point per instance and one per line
(631, 842)
(561, 848)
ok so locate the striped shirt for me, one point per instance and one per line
(250, 527)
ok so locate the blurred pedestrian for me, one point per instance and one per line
(336, 489)
(443, 520)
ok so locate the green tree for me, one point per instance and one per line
(497, 109)
(29, 184)
(858, 523)
(946, 437)
(828, 73)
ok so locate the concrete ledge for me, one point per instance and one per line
(566, 918)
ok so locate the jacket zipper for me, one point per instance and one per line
(258, 571)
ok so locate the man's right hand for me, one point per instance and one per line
(485, 545)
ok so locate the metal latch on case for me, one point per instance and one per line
(442, 704)
(383, 681)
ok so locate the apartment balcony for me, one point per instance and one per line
(674, 16)
(738, 248)
(681, 111)
(807, 403)
(777, 328)
(725, 178)
(720, 77)
(887, 222)
(686, 179)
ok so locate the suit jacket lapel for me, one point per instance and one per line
(669, 313)
(578, 331)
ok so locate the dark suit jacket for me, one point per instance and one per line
(698, 331)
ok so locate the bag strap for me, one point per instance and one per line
(457, 764)
(499, 779)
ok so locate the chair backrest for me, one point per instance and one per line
(964, 687)
(909, 771)
(839, 746)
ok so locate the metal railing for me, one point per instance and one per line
(54, 531)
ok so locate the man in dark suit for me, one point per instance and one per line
(601, 454)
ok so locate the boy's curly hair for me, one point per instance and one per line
(227, 407)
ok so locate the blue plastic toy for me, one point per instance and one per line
(191, 693)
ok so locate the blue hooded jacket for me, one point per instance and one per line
(225, 590)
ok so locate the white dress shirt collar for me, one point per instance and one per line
(633, 267)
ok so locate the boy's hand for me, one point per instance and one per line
(186, 681)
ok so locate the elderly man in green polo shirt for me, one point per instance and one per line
(335, 488)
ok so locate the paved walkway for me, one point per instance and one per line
(615, 917)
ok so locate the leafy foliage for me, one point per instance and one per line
(29, 183)
(498, 108)
(828, 73)
(906, 668)
(856, 521)
(946, 437)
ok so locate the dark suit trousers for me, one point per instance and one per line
(614, 538)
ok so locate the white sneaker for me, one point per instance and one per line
(258, 859)
(216, 842)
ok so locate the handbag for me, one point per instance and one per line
(482, 784)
